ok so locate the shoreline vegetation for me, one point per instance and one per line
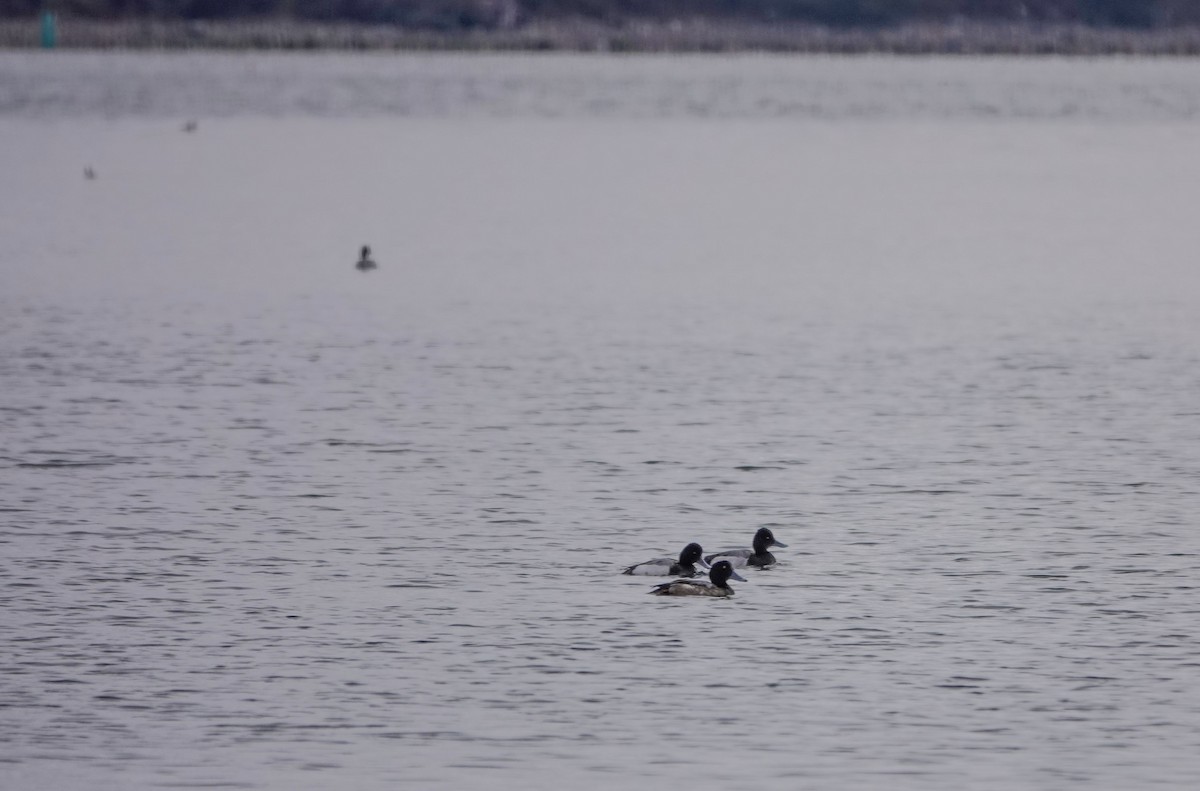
(700, 35)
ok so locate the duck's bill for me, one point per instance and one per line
(781, 544)
(702, 563)
(733, 575)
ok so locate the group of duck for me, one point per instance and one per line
(720, 566)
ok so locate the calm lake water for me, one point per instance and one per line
(270, 523)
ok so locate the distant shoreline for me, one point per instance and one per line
(688, 36)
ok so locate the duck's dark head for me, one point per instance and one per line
(366, 253)
(721, 572)
(692, 555)
(764, 539)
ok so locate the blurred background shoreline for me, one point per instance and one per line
(695, 35)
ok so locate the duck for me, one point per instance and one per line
(365, 264)
(684, 566)
(719, 576)
(764, 539)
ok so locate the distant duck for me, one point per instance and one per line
(683, 566)
(365, 264)
(190, 126)
(719, 576)
(764, 539)
(89, 174)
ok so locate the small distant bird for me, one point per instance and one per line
(365, 264)
(190, 126)
(88, 173)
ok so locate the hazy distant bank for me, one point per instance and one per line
(701, 35)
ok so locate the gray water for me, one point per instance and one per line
(270, 523)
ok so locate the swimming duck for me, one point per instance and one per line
(365, 264)
(764, 539)
(684, 566)
(720, 574)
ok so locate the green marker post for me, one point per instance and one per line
(49, 30)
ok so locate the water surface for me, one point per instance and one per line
(270, 523)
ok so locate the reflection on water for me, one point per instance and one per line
(187, 85)
(272, 523)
